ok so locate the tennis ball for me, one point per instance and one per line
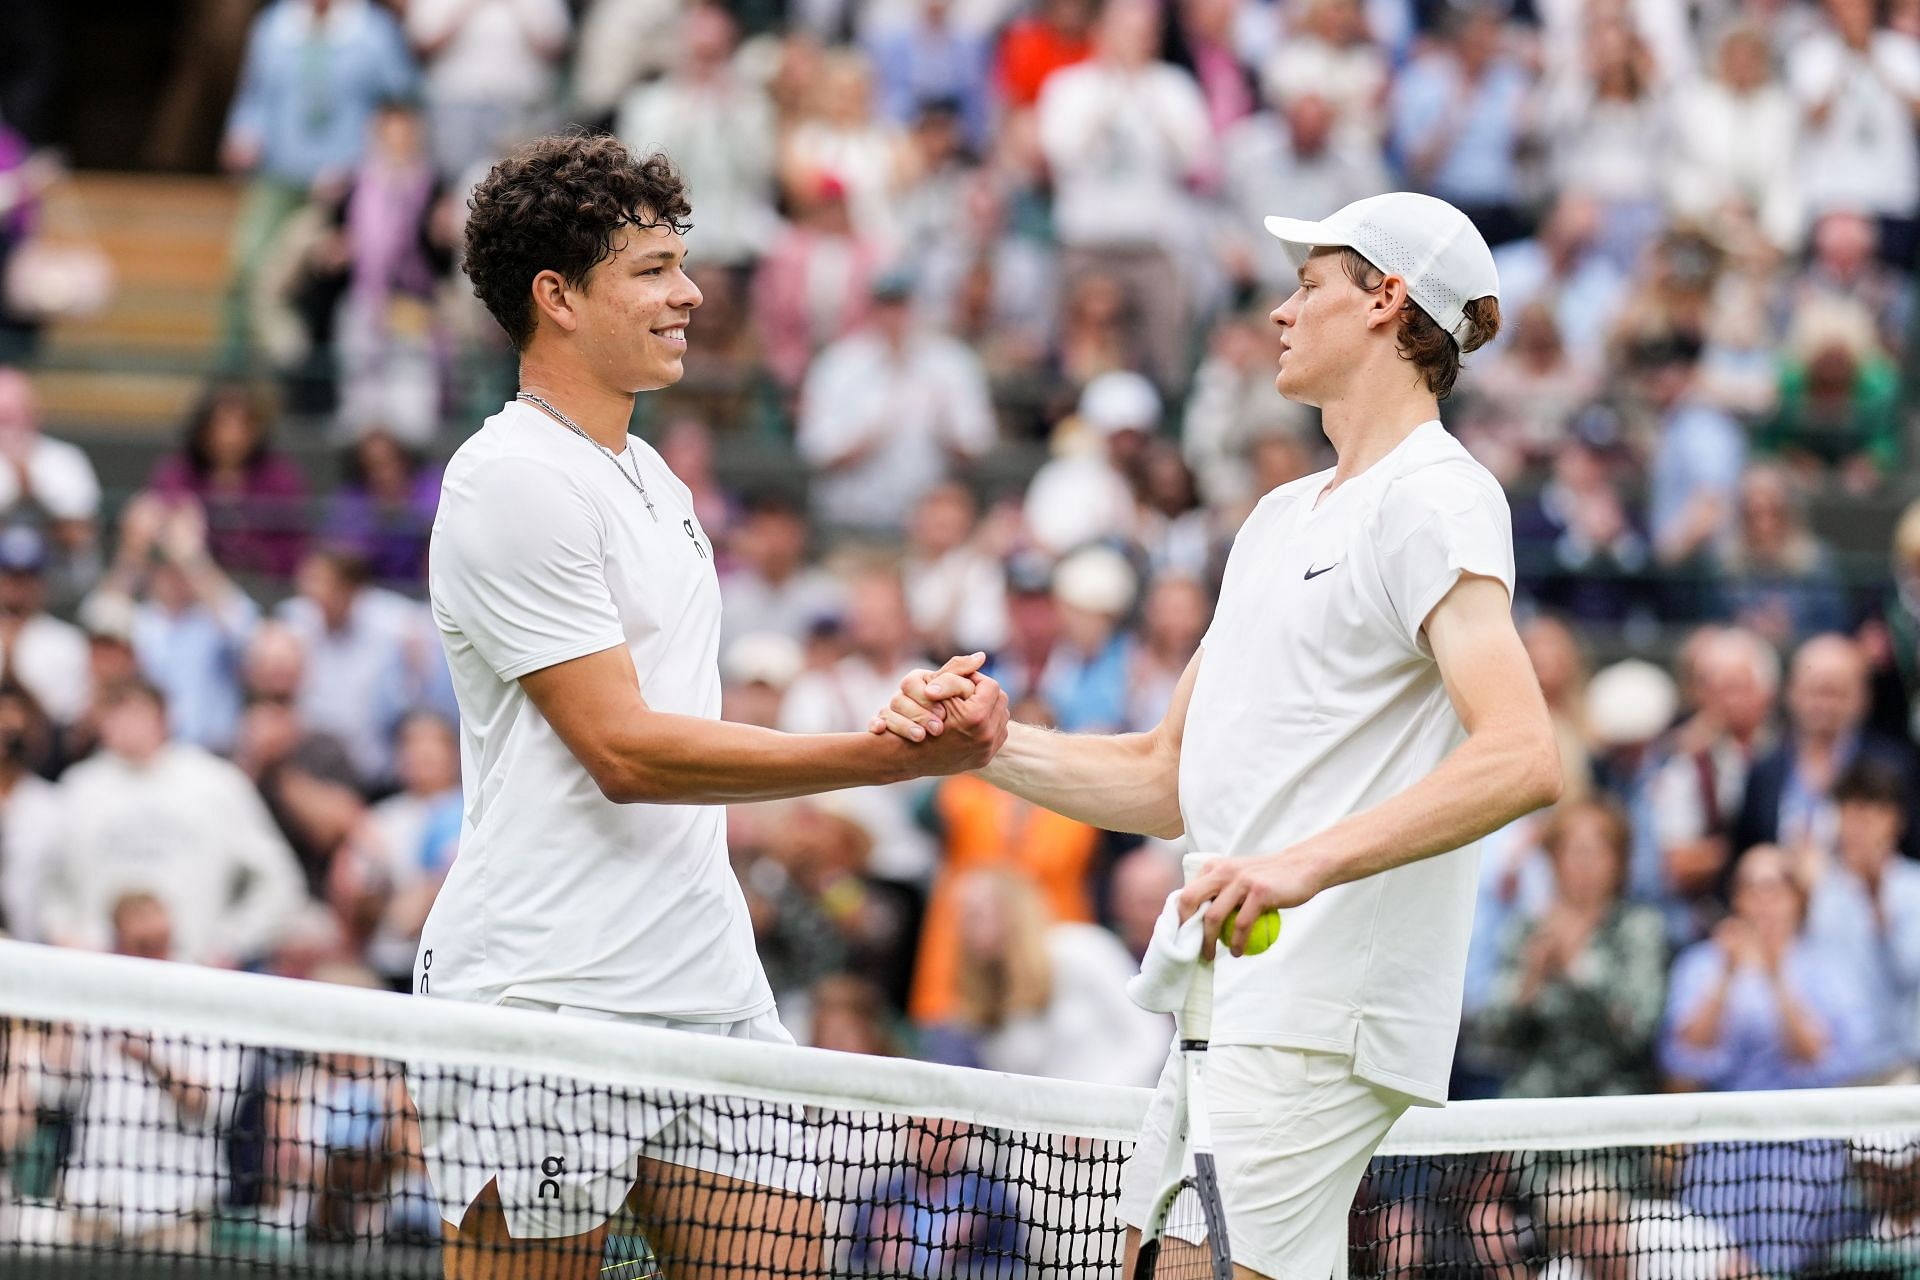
(1265, 932)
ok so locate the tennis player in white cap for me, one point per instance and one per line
(1360, 713)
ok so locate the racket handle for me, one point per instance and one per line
(1196, 1016)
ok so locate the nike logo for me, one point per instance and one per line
(1314, 573)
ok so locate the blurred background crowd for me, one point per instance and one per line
(985, 363)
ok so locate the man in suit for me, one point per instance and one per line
(1789, 792)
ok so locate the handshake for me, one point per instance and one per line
(955, 714)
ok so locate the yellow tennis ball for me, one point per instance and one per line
(1265, 932)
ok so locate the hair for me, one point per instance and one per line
(1431, 349)
(133, 689)
(1614, 825)
(1868, 781)
(995, 989)
(251, 399)
(556, 204)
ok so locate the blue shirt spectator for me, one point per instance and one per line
(314, 72)
(1761, 1006)
(1696, 462)
(939, 1217)
(931, 59)
(1865, 906)
(1456, 117)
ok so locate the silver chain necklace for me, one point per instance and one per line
(639, 485)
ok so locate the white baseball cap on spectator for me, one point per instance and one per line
(1119, 400)
(1424, 240)
(763, 657)
(1096, 579)
(1630, 704)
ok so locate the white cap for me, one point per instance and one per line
(1097, 579)
(1425, 241)
(1119, 400)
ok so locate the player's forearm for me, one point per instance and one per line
(1490, 780)
(1119, 782)
(673, 759)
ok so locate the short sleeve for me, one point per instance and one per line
(519, 568)
(1437, 525)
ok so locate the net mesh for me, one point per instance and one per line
(144, 1129)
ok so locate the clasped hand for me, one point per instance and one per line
(963, 711)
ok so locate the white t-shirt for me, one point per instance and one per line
(1317, 698)
(1861, 157)
(543, 553)
(62, 480)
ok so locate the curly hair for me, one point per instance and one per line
(556, 204)
(1431, 349)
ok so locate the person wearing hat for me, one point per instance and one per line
(1085, 494)
(50, 657)
(886, 410)
(1360, 713)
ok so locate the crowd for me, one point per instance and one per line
(931, 232)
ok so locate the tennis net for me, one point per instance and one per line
(159, 1119)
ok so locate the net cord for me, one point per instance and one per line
(121, 993)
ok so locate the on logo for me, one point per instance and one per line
(426, 963)
(688, 526)
(552, 1166)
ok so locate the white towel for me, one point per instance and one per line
(1173, 957)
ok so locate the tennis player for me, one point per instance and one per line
(1360, 713)
(575, 595)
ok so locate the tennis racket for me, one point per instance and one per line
(1189, 1186)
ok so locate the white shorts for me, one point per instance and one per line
(1292, 1133)
(564, 1153)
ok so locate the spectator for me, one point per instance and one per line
(816, 283)
(1789, 791)
(992, 284)
(1609, 131)
(48, 656)
(1232, 415)
(1033, 627)
(1581, 986)
(1056, 34)
(1694, 793)
(1699, 453)
(360, 676)
(1839, 397)
(842, 698)
(717, 124)
(1778, 579)
(1458, 123)
(1842, 269)
(368, 291)
(1560, 665)
(1086, 676)
(1596, 1230)
(253, 496)
(417, 832)
(170, 819)
(29, 814)
(1329, 50)
(886, 412)
(1563, 269)
(766, 584)
(1527, 394)
(1124, 133)
(1760, 1005)
(176, 1094)
(188, 623)
(1857, 86)
(1585, 558)
(1086, 492)
(937, 1213)
(956, 585)
(488, 72)
(1173, 618)
(1292, 155)
(47, 481)
(1735, 142)
(983, 828)
(1043, 999)
(841, 134)
(927, 54)
(756, 670)
(383, 509)
(314, 72)
(1137, 892)
(1864, 903)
